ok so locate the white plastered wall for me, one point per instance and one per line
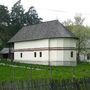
(56, 56)
(28, 56)
(63, 56)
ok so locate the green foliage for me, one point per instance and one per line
(17, 14)
(31, 17)
(78, 20)
(14, 20)
(88, 31)
(4, 23)
(80, 31)
(4, 15)
(20, 18)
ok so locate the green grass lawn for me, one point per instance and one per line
(8, 73)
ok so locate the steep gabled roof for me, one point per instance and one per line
(50, 29)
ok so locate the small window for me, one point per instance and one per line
(40, 54)
(72, 54)
(34, 54)
(21, 55)
(88, 56)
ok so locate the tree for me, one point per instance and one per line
(31, 17)
(78, 20)
(4, 15)
(4, 23)
(20, 18)
(17, 15)
(11, 22)
(80, 32)
(68, 22)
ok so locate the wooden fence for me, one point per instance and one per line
(47, 84)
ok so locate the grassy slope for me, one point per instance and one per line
(16, 73)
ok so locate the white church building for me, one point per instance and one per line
(47, 43)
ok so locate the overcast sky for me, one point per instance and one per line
(56, 9)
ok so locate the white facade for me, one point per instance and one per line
(53, 51)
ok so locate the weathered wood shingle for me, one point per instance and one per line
(45, 30)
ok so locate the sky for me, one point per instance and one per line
(56, 9)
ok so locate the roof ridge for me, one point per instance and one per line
(42, 23)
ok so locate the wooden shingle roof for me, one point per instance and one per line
(45, 30)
